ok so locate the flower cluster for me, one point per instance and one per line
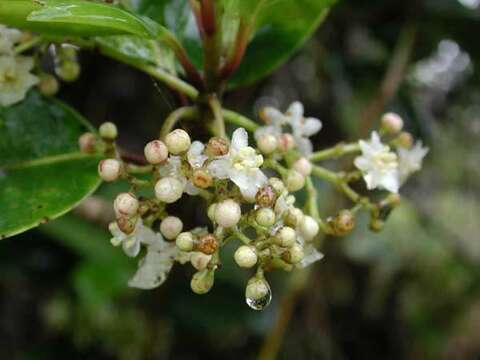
(248, 195)
(15, 76)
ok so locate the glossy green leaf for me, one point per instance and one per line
(42, 174)
(74, 18)
(281, 27)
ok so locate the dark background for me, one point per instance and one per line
(412, 291)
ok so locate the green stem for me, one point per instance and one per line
(234, 118)
(219, 123)
(137, 169)
(242, 237)
(312, 206)
(27, 45)
(274, 165)
(335, 152)
(174, 117)
(326, 174)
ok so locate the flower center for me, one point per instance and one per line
(247, 158)
(386, 160)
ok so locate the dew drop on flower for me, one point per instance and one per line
(261, 302)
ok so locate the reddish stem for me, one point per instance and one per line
(208, 17)
(241, 43)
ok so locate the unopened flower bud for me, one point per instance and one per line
(257, 289)
(303, 166)
(202, 179)
(217, 146)
(392, 123)
(185, 241)
(168, 190)
(246, 256)
(285, 237)
(68, 71)
(293, 217)
(309, 228)
(170, 227)
(125, 204)
(202, 281)
(404, 140)
(108, 130)
(109, 169)
(87, 143)
(207, 244)
(156, 152)
(343, 223)
(267, 144)
(295, 181)
(286, 142)
(127, 224)
(265, 217)
(48, 85)
(376, 225)
(178, 141)
(266, 196)
(200, 260)
(277, 185)
(293, 255)
(227, 213)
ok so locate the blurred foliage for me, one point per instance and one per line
(412, 291)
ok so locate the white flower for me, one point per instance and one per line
(311, 255)
(195, 158)
(131, 243)
(302, 128)
(378, 164)
(154, 268)
(8, 38)
(410, 160)
(241, 165)
(15, 78)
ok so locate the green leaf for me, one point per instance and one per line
(74, 18)
(281, 27)
(42, 174)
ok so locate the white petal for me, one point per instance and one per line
(219, 168)
(248, 182)
(131, 246)
(239, 139)
(295, 109)
(304, 145)
(311, 255)
(311, 126)
(191, 189)
(194, 155)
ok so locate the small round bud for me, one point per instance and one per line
(68, 71)
(343, 223)
(87, 143)
(202, 179)
(309, 228)
(392, 123)
(178, 141)
(156, 152)
(293, 255)
(245, 256)
(217, 146)
(267, 144)
(211, 212)
(109, 169)
(295, 181)
(170, 227)
(108, 130)
(202, 282)
(48, 85)
(404, 140)
(125, 204)
(207, 244)
(376, 225)
(227, 213)
(285, 237)
(293, 217)
(257, 289)
(286, 142)
(185, 241)
(200, 260)
(127, 224)
(303, 166)
(266, 196)
(277, 185)
(265, 217)
(168, 190)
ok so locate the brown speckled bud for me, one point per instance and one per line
(343, 223)
(126, 224)
(207, 244)
(202, 179)
(217, 146)
(266, 196)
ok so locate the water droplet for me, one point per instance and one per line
(258, 294)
